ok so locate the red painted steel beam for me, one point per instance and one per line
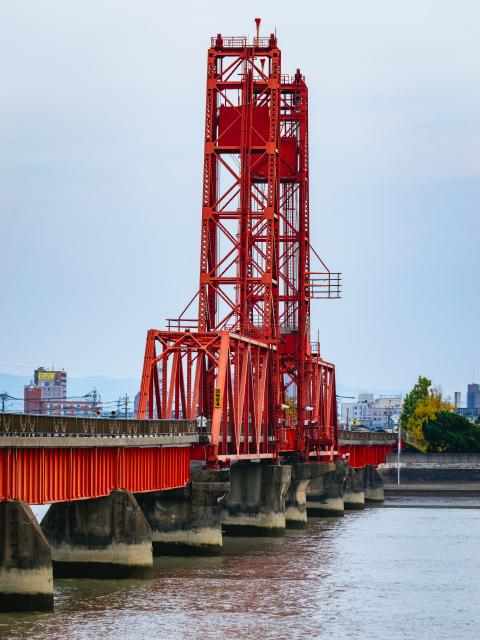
(44, 475)
(362, 454)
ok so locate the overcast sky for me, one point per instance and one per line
(101, 129)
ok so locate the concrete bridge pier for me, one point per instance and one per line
(303, 474)
(373, 485)
(187, 521)
(26, 580)
(105, 537)
(325, 493)
(353, 489)
(255, 505)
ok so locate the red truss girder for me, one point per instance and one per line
(222, 379)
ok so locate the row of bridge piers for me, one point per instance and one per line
(116, 536)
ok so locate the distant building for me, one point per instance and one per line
(47, 395)
(472, 410)
(473, 396)
(48, 390)
(457, 399)
(378, 413)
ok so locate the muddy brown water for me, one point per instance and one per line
(412, 571)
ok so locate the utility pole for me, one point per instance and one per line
(3, 398)
(96, 398)
(94, 395)
(399, 448)
(126, 406)
(343, 397)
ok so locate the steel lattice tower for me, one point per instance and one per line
(247, 363)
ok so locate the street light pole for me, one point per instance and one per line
(398, 450)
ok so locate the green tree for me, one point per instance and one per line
(451, 433)
(420, 391)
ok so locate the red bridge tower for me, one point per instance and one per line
(245, 368)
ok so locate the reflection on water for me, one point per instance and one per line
(381, 573)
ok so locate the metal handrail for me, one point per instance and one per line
(237, 42)
(367, 435)
(34, 425)
(230, 42)
(182, 324)
(323, 285)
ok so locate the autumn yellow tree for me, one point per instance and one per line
(426, 411)
(291, 409)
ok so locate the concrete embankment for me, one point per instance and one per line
(447, 473)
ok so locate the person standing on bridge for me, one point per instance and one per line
(202, 423)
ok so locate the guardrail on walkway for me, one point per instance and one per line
(367, 436)
(34, 425)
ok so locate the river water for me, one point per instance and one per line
(407, 572)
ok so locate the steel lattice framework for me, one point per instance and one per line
(246, 362)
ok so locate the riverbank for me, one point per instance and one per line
(438, 473)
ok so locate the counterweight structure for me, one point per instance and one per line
(245, 368)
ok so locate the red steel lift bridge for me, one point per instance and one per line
(243, 377)
(246, 365)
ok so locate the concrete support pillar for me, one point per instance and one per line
(296, 497)
(26, 580)
(353, 495)
(255, 505)
(187, 521)
(373, 485)
(325, 493)
(99, 538)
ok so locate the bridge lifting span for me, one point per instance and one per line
(246, 362)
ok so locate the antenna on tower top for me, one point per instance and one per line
(257, 22)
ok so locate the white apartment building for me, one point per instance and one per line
(378, 413)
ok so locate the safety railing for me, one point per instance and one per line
(324, 285)
(34, 425)
(366, 436)
(182, 324)
(263, 42)
(231, 42)
(237, 42)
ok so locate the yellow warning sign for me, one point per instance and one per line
(217, 398)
